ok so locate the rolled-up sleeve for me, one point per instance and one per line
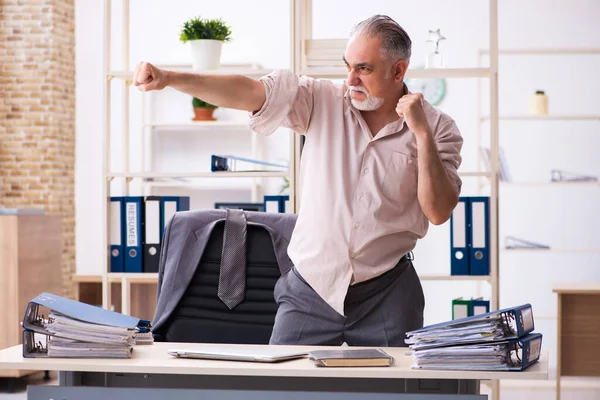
(449, 143)
(289, 103)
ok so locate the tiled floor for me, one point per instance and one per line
(19, 386)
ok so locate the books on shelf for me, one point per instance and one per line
(499, 340)
(78, 330)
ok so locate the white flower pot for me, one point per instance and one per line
(206, 54)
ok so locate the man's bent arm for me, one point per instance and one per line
(436, 192)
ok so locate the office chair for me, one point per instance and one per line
(201, 317)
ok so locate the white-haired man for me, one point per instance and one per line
(378, 164)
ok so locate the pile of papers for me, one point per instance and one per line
(68, 348)
(476, 331)
(500, 340)
(77, 330)
(73, 338)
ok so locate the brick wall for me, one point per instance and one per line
(37, 113)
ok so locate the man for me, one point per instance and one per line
(378, 164)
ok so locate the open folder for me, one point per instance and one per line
(56, 326)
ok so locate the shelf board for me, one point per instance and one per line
(87, 278)
(475, 174)
(425, 73)
(323, 72)
(455, 277)
(249, 71)
(118, 278)
(539, 51)
(141, 277)
(555, 117)
(199, 125)
(547, 183)
(219, 174)
(203, 184)
(552, 250)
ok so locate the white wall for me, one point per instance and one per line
(560, 216)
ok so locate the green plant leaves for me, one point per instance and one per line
(197, 103)
(197, 28)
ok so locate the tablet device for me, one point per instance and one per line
(237, 353)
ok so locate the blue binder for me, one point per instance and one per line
(115, 237)
(278, 204)
(527, 349)
(133, 225)
(479, 254)
(518, 321)
(169, 205)
(78, 310)
(459, 238)
(509, 355)
(479, 306)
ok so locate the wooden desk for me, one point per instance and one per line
(152, 367)
(578, 330)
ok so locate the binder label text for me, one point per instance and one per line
(131, 213)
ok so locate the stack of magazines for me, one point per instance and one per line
(497, 341)
(78, 330)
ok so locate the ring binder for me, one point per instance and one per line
(75, 329)
(508, 323)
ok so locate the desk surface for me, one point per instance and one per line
(153, 359)
(576, 287)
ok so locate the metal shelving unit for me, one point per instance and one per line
(147, 176)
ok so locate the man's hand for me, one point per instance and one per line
(410, 106)
(148, 77)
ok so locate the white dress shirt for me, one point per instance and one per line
(359, 212)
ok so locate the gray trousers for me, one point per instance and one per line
(378, 312)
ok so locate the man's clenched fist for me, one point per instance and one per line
(148, 77)
(410, 107)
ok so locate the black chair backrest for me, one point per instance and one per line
(201, 317)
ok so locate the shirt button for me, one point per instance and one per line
(357, 225)
(370, 143)
(366, 171)
(352, 255)
(361, 198)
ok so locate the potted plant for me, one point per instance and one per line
(206, 37)
(203, 111)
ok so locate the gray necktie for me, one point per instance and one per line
(232, 275)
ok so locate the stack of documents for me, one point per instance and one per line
(74, 329)
(499, 340)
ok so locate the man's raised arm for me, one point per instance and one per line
(228, 91)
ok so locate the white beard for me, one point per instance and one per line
(371, 103)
